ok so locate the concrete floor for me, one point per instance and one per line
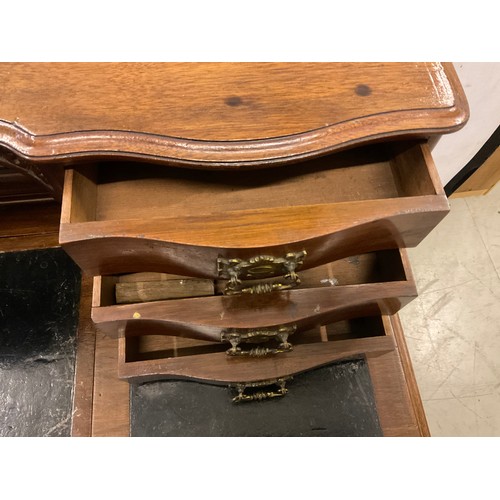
(453, 327)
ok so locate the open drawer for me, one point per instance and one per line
(126, 217)
(365, 284)
(156, 357)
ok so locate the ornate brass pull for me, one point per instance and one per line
(261, 395)
(258, 352)
(261, 288)
(235, 337)
(260, 267)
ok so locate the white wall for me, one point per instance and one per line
(481, 83)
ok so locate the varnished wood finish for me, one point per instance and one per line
(386, 265)
(101, 400)
(29, 226)
(204, 318)
(353, 287)
(152, 357)
(397, 398)
(394, 408)
(395, 411)
(354, 214)
(166, 346)
(166, 245)
(483, 179)
(83, 396)
(110, 412)
(45, 181)
(16, 187)
(127, 207)
(411, 382)
(398, 404)
(31, 242)
(221, 114)
(220, 368)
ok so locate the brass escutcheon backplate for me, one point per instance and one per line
(258, 268)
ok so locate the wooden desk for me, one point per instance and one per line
(213, 170)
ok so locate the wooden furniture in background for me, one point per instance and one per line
(483, 180)
(28, 226)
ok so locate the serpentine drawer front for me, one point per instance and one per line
(153, 357)
(176, 167)
(276, 198)
(124, 217)
(356, 286)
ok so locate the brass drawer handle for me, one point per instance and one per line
(258, 336)
(261, 395)
(261, 288)
(260, 267)
(258, 352)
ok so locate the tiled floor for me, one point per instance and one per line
(453, 327)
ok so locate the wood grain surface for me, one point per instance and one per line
(342, 289)
(205, 317)
(181, 224)
(483, 179)
(409, 374)
(393, 400)
(398, 402)
(146, 291)
(399, 406)
(16, 187)
(149, 347)
(217, 115)
(27, 226)
(191, 246)
(101, 399)
(220, 368)
(395, 409)
(83, 395)
(110, 411)
(373, 267)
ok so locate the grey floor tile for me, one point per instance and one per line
(477, 415)
(452, 254)
(453, 327)
(485, 211)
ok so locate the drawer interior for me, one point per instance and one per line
(151, 347)
(127, 190)
(374, 267)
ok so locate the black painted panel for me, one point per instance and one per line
(336, 400)
(39, 296)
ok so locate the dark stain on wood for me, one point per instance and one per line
(234, 101)
(363, 90)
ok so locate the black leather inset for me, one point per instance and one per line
(39, 297)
